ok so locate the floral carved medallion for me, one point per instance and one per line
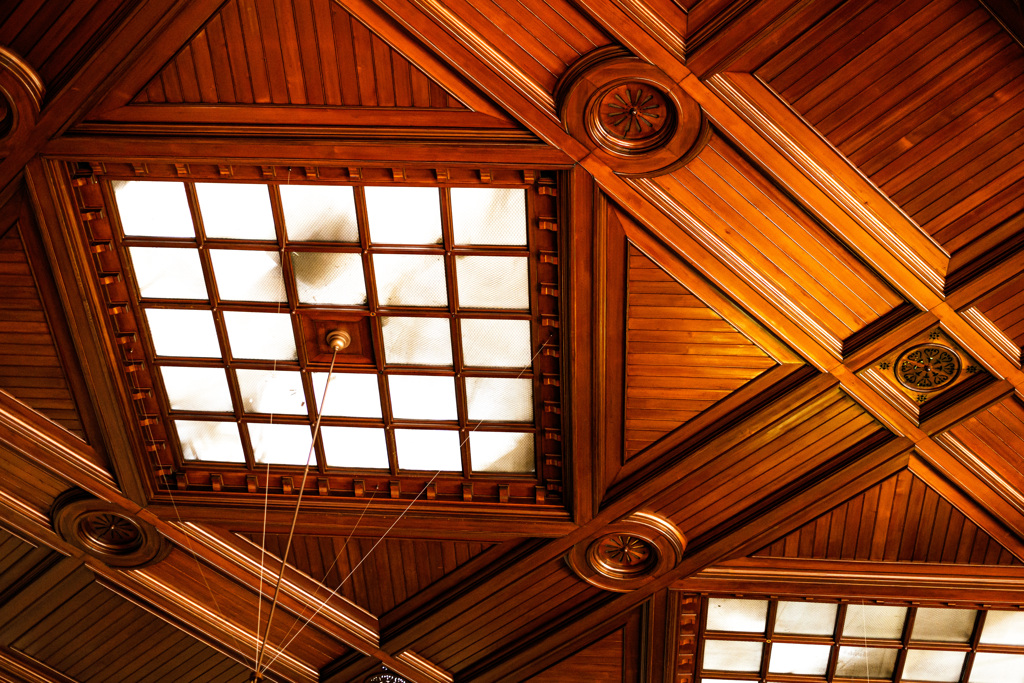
(633, 111)
(928, 367)
(106, 532)
(624, 553)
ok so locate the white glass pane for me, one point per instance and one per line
(496, 343)
(1003, 628)
(410, 280)
(727, 614)
(943, 625)
(489, 216)
(428, 449)
(271, 391)
(151, 209)
(501, 451)
(493, 282)
(363, 447)
(209, 441)
(330, 279)
(279, 444)
(499, 398)
(263, 336)
(992, 667)
(197, 388)
(417, 341)
(933, 665)
(731, 655)
(350, 395)
(418, 397)
(865, 662)
(806, 618)
(798, 658)
(404, 215)
(236, 211)
(874, 621)
(248, 275)
(319, 213)
(168, 273)
(179, 332)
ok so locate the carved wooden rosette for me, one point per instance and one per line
(629, 553)
(21, 98)
(106, 532)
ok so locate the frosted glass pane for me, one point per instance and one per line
(271, 391)
(865, 662)
(727, 614)
(279, 444)
(798, 658)
(933, 665)
(168, 273)
(496, 343)
(151, 209)
(350, 395)
(501, 451)
(1003, 628)
(499, 398)
(410, 280)
(248, 275)
(489, 216)
(493, 282)
(404, 215)
(418, 397)
(209, 441)
(806, 618)
(263, 336)
(236, 211)
(991, 667)
(428, 449)
(197, 388)
(319, 213)
(363, 447)
(731, 655)
(179, 332)
(943, 625)
(417, 341)
(331, 279)
(874, 621)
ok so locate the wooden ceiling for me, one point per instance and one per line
(826, 186)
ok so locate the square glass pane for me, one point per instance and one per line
(404, 215)
(168, 273)
(152, 209)
(197, 389)
(1003, 628)
(417, 341)
(410, 280)
(944, 625)
(992, 667)
(271, 391)
(731, 655)
(329, 279)
(279, 444)
(260, 336)
(933, 665)
(501, 451)
(865, 662)
(806, 618)
(728, 614)
(248, 275)
(503, 399)
(874, 621)
(319, 213)
(496, 343)
(428, 449)
(419, 397)
(493, 282)
(350, 395)
(483, 215)
(209, 441)
(798, 658)
(236, 211)
(362, 447)
(179, 332)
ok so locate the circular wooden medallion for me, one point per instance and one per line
(106, 532)
(632, 117)
(623, 554)
(928, 367)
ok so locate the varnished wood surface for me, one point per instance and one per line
(600, 662)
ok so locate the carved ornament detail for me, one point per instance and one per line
(928, 367)
(106, 532)
(21, 98)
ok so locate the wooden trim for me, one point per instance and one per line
(24, 669)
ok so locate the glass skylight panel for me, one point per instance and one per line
(319, 213)
(359, 447)
(806, 618)
(943, 625)
(236, 211)
(404, 215)
(248, 275)
(428, 449)
(417, 341)
(204, 389)
(422, 397)
(933, 665)
(182, 332)
(496, 343)
(260, 336)
(1003, 628)
(271, 391)
(410, 280)
(865, 662)
(996, 667)
(728, 614)
(732, 655)
(168, 273)
(503, 399)
(493, 282)
(209, 441)
(329, 279)
(281, 444)
(501, 451)
(874, 621)
(351, 394)
(489, 216)
(799, 658)
(153, 209)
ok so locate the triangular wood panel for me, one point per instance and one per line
(901, 519)
(681, 356)
(996, 436)
(1005, 309)
(600, 662)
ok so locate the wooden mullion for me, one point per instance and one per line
(769, 637)
(458, 365)
(901, 655)
(833, 657)
(979, 625)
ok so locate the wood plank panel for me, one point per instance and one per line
(1004, 307)
(996, 436)
(600, 662)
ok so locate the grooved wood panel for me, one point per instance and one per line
(1005, 309)
(779, 240)
(18, 561)
(926, 97)
(600, 662)
(30, 369)
(394, 571)
(681, 356)
(901, 519)
(996, 435)
(299, 52)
